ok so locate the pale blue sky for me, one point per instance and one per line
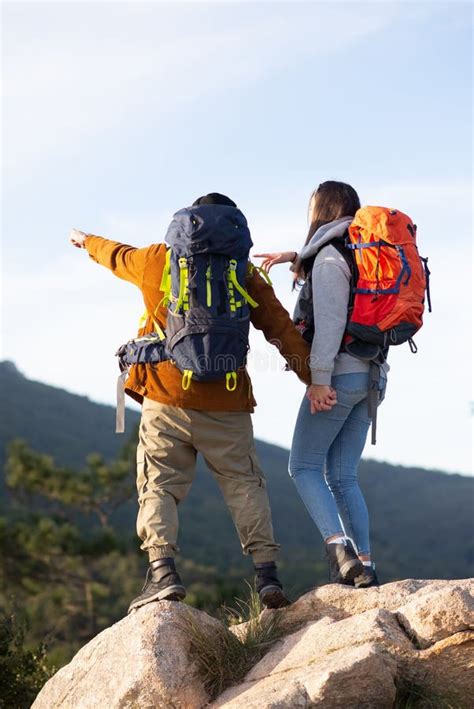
(116, 114)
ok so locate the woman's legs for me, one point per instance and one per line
(306, 466)
(313, 437)
(341, 475)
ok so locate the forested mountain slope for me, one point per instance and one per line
(421, 520)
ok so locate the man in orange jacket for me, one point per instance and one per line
(205, 418)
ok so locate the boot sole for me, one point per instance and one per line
(273, 597)
(172, 593)
(351, 569)
(367, 583)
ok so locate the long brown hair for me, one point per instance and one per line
(331, 200)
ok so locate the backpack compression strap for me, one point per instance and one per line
(183, 295)
(158, 329)
(209, 286)
(235, 284)
(165, 284)
(252, 267)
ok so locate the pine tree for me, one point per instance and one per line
(62, 558)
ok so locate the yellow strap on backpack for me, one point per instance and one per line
(231, 381)
(143, 319)
(186, 380)
(232, 303)
(158, 330)
(165, 284)
(209, 286)
(235, 283)
(183, 285)
(263, 273)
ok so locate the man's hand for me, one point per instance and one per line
(77, 238)
(322, 397)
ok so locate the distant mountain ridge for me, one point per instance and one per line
(54, 421)
(421, 520)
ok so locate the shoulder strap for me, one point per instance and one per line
(340, 244)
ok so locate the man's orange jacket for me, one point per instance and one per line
(162, 382)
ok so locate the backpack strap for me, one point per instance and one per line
(165, 284)
(158, 329)
(235, 284)
(183, 295)
(341, 245)
(373, 398)
(427, 276)
(209, 285)
(262, 272)
(120, 410)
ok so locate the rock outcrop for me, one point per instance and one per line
(340, 647)
(141, 662)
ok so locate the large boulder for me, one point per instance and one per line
(338, 647)
(414, 632)
(327, 663)
(356, 676)
(447, 670)
(439, 614)
(141, 662)
(316, 641)
(339, 602)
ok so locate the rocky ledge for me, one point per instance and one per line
(408, 643)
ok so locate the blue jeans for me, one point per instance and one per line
(325, 454)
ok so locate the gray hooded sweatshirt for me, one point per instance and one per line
(331, 278)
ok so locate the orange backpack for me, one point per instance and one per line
(390, 280)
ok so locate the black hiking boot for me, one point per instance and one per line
(367, 578)
(334, 573)
(344, 564)
(162, 583)
(269, 587)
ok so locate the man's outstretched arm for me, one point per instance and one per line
(124, 261)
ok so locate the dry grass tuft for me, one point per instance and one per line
(413, 696)
(222, 658)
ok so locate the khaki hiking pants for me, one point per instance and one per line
(170, 438)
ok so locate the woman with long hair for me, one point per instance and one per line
(333, 421)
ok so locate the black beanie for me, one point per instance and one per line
(214, 198)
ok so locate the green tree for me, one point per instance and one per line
(99, 489)
(22, 672)
(63, 560)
